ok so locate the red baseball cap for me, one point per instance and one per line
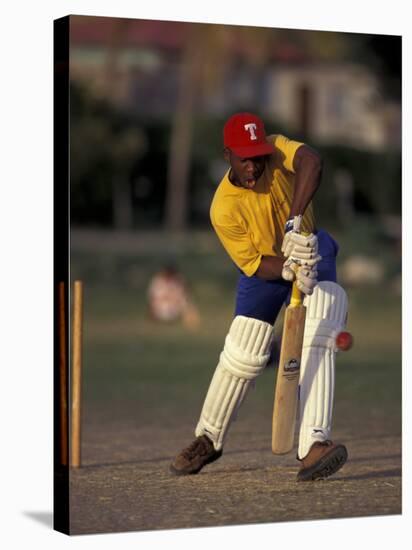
(244, 134)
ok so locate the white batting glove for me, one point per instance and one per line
(299, 250)
(291, 265)
(288, 270)
(306, 279)
(300, 247)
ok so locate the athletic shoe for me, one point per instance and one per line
(324, 459)
(192, 459)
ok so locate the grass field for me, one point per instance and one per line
(129, 358)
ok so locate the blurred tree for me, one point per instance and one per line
(105, 140)
(382, 54)
(126, 147)
(105, 144)
(208, 54)
(385, 53)
(181, 135)
(123, 147)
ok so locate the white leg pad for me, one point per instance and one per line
(244, 356)
(326, 313)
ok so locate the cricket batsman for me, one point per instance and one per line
(263, 215)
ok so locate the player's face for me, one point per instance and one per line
(245, 171)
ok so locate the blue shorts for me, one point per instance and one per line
(262, 300)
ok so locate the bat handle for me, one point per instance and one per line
(296, 298)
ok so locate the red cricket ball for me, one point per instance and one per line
(344, 341)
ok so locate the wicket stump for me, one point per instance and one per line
(76, 386)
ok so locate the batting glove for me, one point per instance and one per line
(306, 279)
(299, 249)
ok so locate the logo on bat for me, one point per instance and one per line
(292, 365)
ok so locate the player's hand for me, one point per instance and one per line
(291, 265)
(302, 249)
(299, 249)
(306, 279)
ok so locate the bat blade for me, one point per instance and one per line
(286, 392)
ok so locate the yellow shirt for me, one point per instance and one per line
(250, 222)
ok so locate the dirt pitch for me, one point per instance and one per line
(126, 486)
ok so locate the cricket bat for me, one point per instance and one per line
(286, 392)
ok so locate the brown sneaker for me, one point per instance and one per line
(192, 459)
(324, 459)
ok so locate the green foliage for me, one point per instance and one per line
(376, 179)
(105, 144)
(108, 143)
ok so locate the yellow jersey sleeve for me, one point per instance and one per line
(238, 245)
(287, 148)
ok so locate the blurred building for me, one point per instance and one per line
(337, 104)
(135, 63)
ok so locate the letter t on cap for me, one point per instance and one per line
(251, 127)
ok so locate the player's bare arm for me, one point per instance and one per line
(307, 164)
(270, 267)
(302, 249)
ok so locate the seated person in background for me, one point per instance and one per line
(169, 298)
